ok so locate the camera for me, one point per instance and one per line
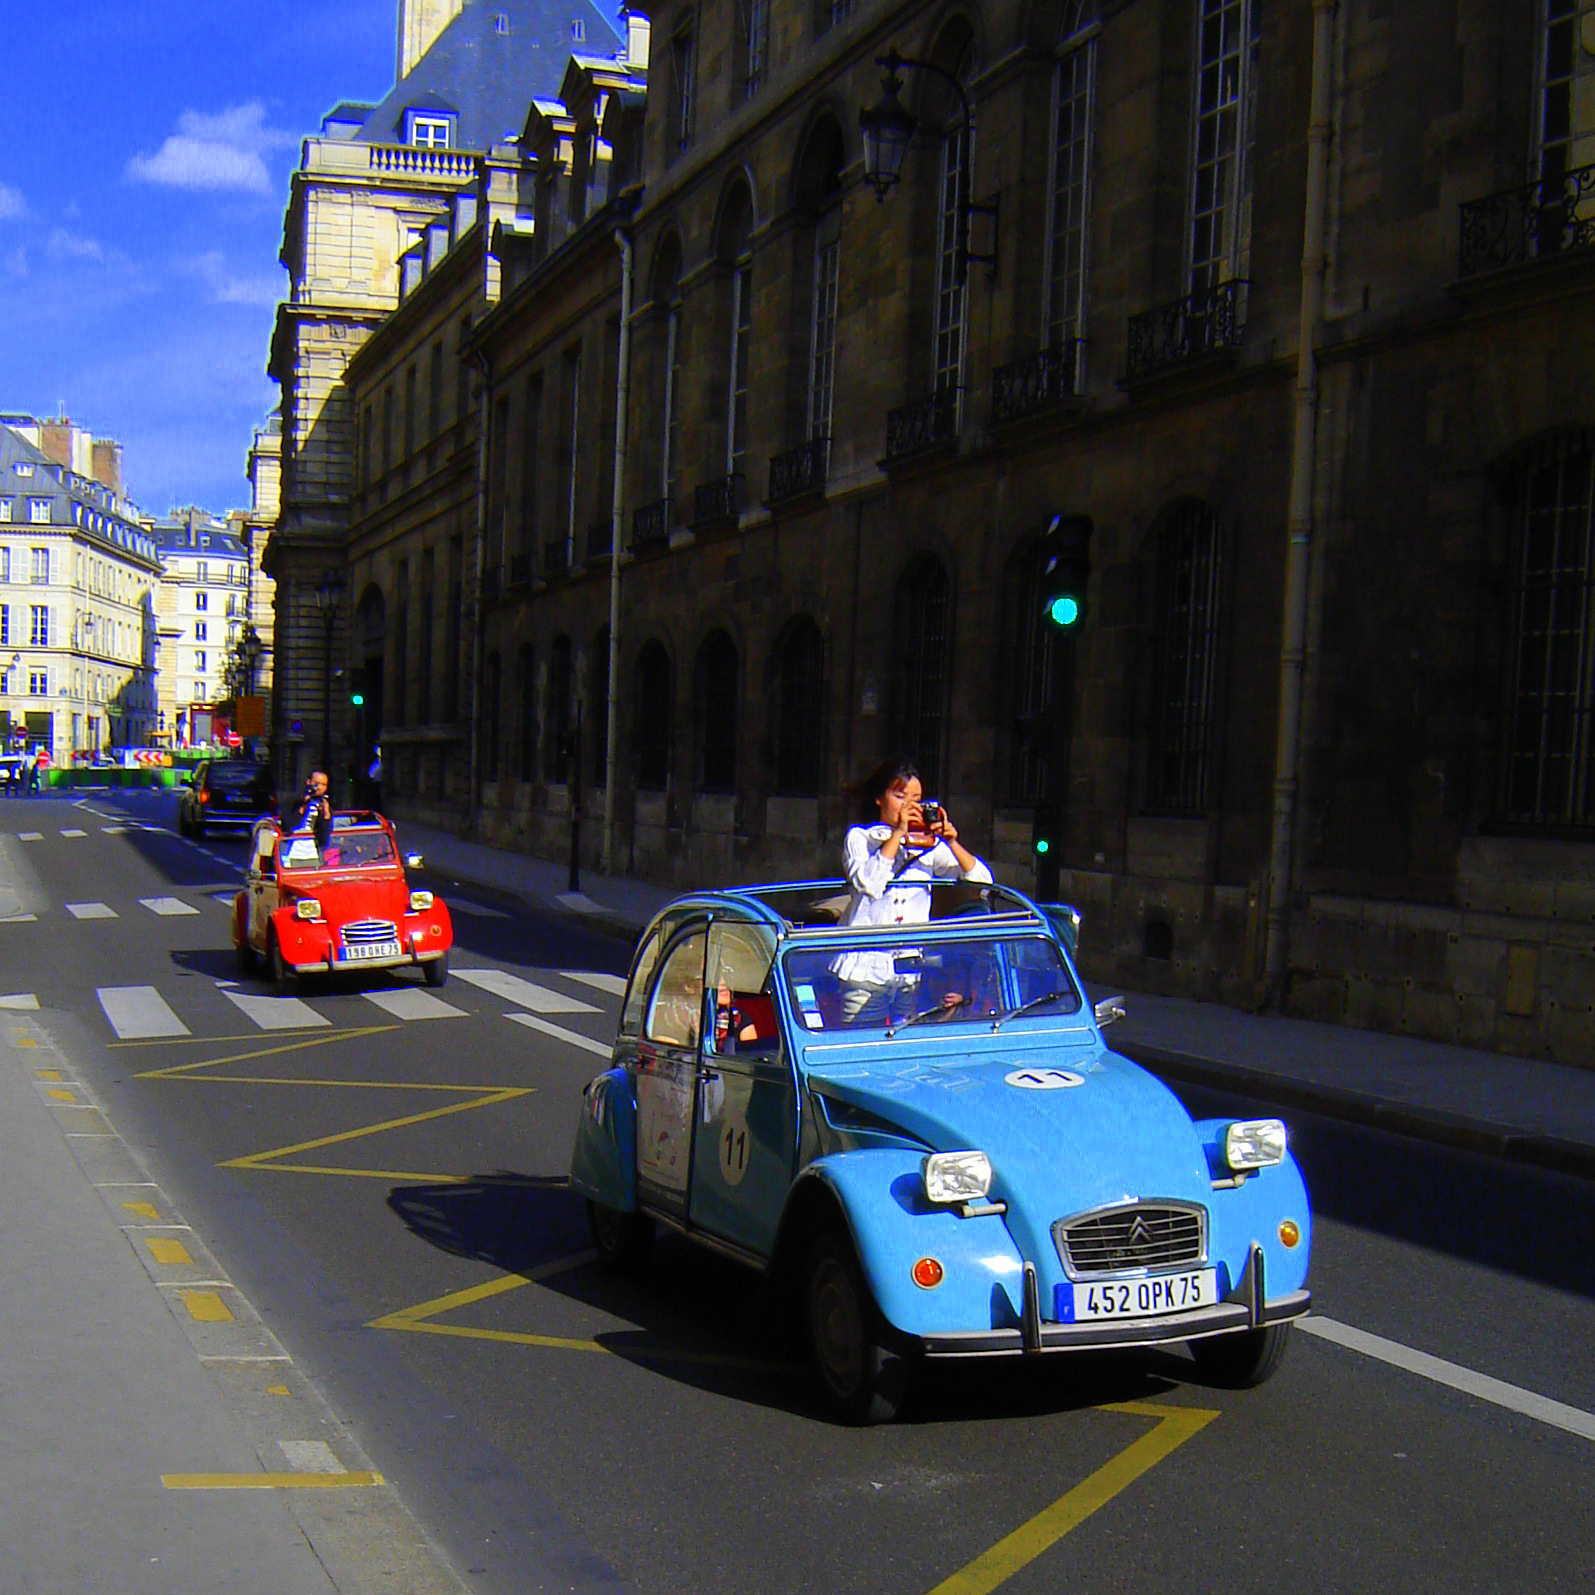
(931, 810)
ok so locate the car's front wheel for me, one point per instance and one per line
(281, 969)
(1239, 1361)
(863, 1378)
(437, 970)
(622, 1240)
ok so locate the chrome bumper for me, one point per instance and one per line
(340, 967)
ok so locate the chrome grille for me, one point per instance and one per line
(362, 932)
(1142, 1235)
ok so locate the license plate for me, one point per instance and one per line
(1137, 1298)
(375, 949)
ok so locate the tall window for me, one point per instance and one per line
(41, 567)
(822, 333)
(434, 392)
(652, 696)
(1221, 144)
(498, 482)
(558, 717)
(39, 637)
(683, 88)
(753, 38)
(919, 645)
(569, 441)
(1567, 92)
(1073, 134)
(715, 702)
(1189, 572)
(423, 662)
(453, 621)
(741, 341)
(952, 293)
(799, 709)
(491, 686)
(387, 433)
(1550, 766)
(528, 685)
(596, 731)
(409, 411)
(401, 639)
(531, 442)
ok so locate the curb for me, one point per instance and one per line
(1531, 1148)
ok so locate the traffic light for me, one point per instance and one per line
(1065, 570)
(1046, 842)
(357, 688)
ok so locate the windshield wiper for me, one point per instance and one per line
(945, 1006)
(1025, 1007)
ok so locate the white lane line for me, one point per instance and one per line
(525, 992)
(30, 836)
(20, 919)
(560, 1033)
(74, 833)
(413, 1005)
(139, 1012)
(23, 1001)
(1496, 1391)
(167, 906)
(91, 911)
(460, 905)
(615, 985)
(276, 1013)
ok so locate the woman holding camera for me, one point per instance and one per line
(890, 865)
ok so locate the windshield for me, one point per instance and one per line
(968, 981)
(345, 850)
(234, 777)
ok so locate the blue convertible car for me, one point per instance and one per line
(921, 1129)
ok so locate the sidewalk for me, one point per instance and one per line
(1506, 1107)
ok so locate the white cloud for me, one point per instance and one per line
(12, 204)
(225, 151)
(227, 288)
(63, 245)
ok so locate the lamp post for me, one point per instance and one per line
(250, 648)
(327, 607)
(888, 128)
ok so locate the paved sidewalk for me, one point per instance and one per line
(1507, 1107)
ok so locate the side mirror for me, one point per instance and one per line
(412, 861)
(1108, 1010)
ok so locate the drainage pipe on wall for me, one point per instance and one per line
(1287, 757)
(616, 521)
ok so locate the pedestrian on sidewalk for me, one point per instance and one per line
(30, 769)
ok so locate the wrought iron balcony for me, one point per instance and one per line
(1171, 335)
(800, 470)
(556, 558)
(651, 523)
(1040, 381)
(926, 424)
(1551, 217)
(600, 540)
(719, 500)
(521, 570)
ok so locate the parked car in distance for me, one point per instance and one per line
(308, 910)
(225, 794)
(12, 772)
(920, 1130)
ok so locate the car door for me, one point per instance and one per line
(262, 885)
(667, 1073)
(745, 1138)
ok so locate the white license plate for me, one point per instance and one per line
(375, 949)
(1144, 1298)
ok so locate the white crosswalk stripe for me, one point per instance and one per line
(30, 836)
(167, 906)
(586, 1043)
(540, 999)
(112, 830)
(20, 919)
(461, 905)
(277, 1013)
(74, 833)
(92, 911)
(615, 985)
(411, 1003)
(23, 1001)
(139, 1012)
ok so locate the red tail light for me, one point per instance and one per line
(204, 796)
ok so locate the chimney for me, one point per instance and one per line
(108, 464)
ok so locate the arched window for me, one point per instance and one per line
(491, 688)
(714, 696)
(596, 731)
(1035, 681)
(799, 709)
(1069, 214)
(1550, 762)
(527, 673)
(1222, 135)
(920, 637)
(1189, 575)
(652, 696)
(560, 713)
(735, 253)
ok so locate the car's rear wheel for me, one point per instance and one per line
(862, 1377)
(245, 955)
(1239, 1361)
(437, 970)
(622, 1240)
(281, 969)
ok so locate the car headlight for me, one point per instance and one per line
(957, 1176)
(1255, 1143)
(307, 908)
(420, 902)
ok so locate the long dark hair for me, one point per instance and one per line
(881, 778)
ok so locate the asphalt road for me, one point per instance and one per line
(388, 1190)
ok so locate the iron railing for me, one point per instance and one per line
(800, 470)
(1550, 217)
(556, 558)
(651, 523)
(600, 540)
(1038, 382)
(1210, 322)
(521, 570)
(719, 500)
(926, 424)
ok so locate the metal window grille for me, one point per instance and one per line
(741, 341)
(1188, 578)
(1550, 767)
(528, 674)
(716, 698)
(800, 706)
(1074, 131)
(822, 327)
(651, 728)
(951, 294)
(557, 717)
(919, 701)
(1030, 646)
(1567, 88)
(1221, 144)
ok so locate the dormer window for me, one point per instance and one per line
(501, 22)
(23, 468)
(430, 127)
(578, 31)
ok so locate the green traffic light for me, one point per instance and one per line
(358, 700)
(1043, 845)
(1064, 611)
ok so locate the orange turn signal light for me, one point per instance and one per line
(1289, 1233)
(928, 1273)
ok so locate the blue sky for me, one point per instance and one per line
(142, 188)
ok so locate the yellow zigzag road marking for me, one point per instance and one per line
(177, 1071)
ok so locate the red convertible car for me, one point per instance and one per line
(306, 910)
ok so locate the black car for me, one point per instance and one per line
(228, 794)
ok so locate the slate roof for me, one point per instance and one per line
(195, 539)
(75, 501)
(489, 76)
